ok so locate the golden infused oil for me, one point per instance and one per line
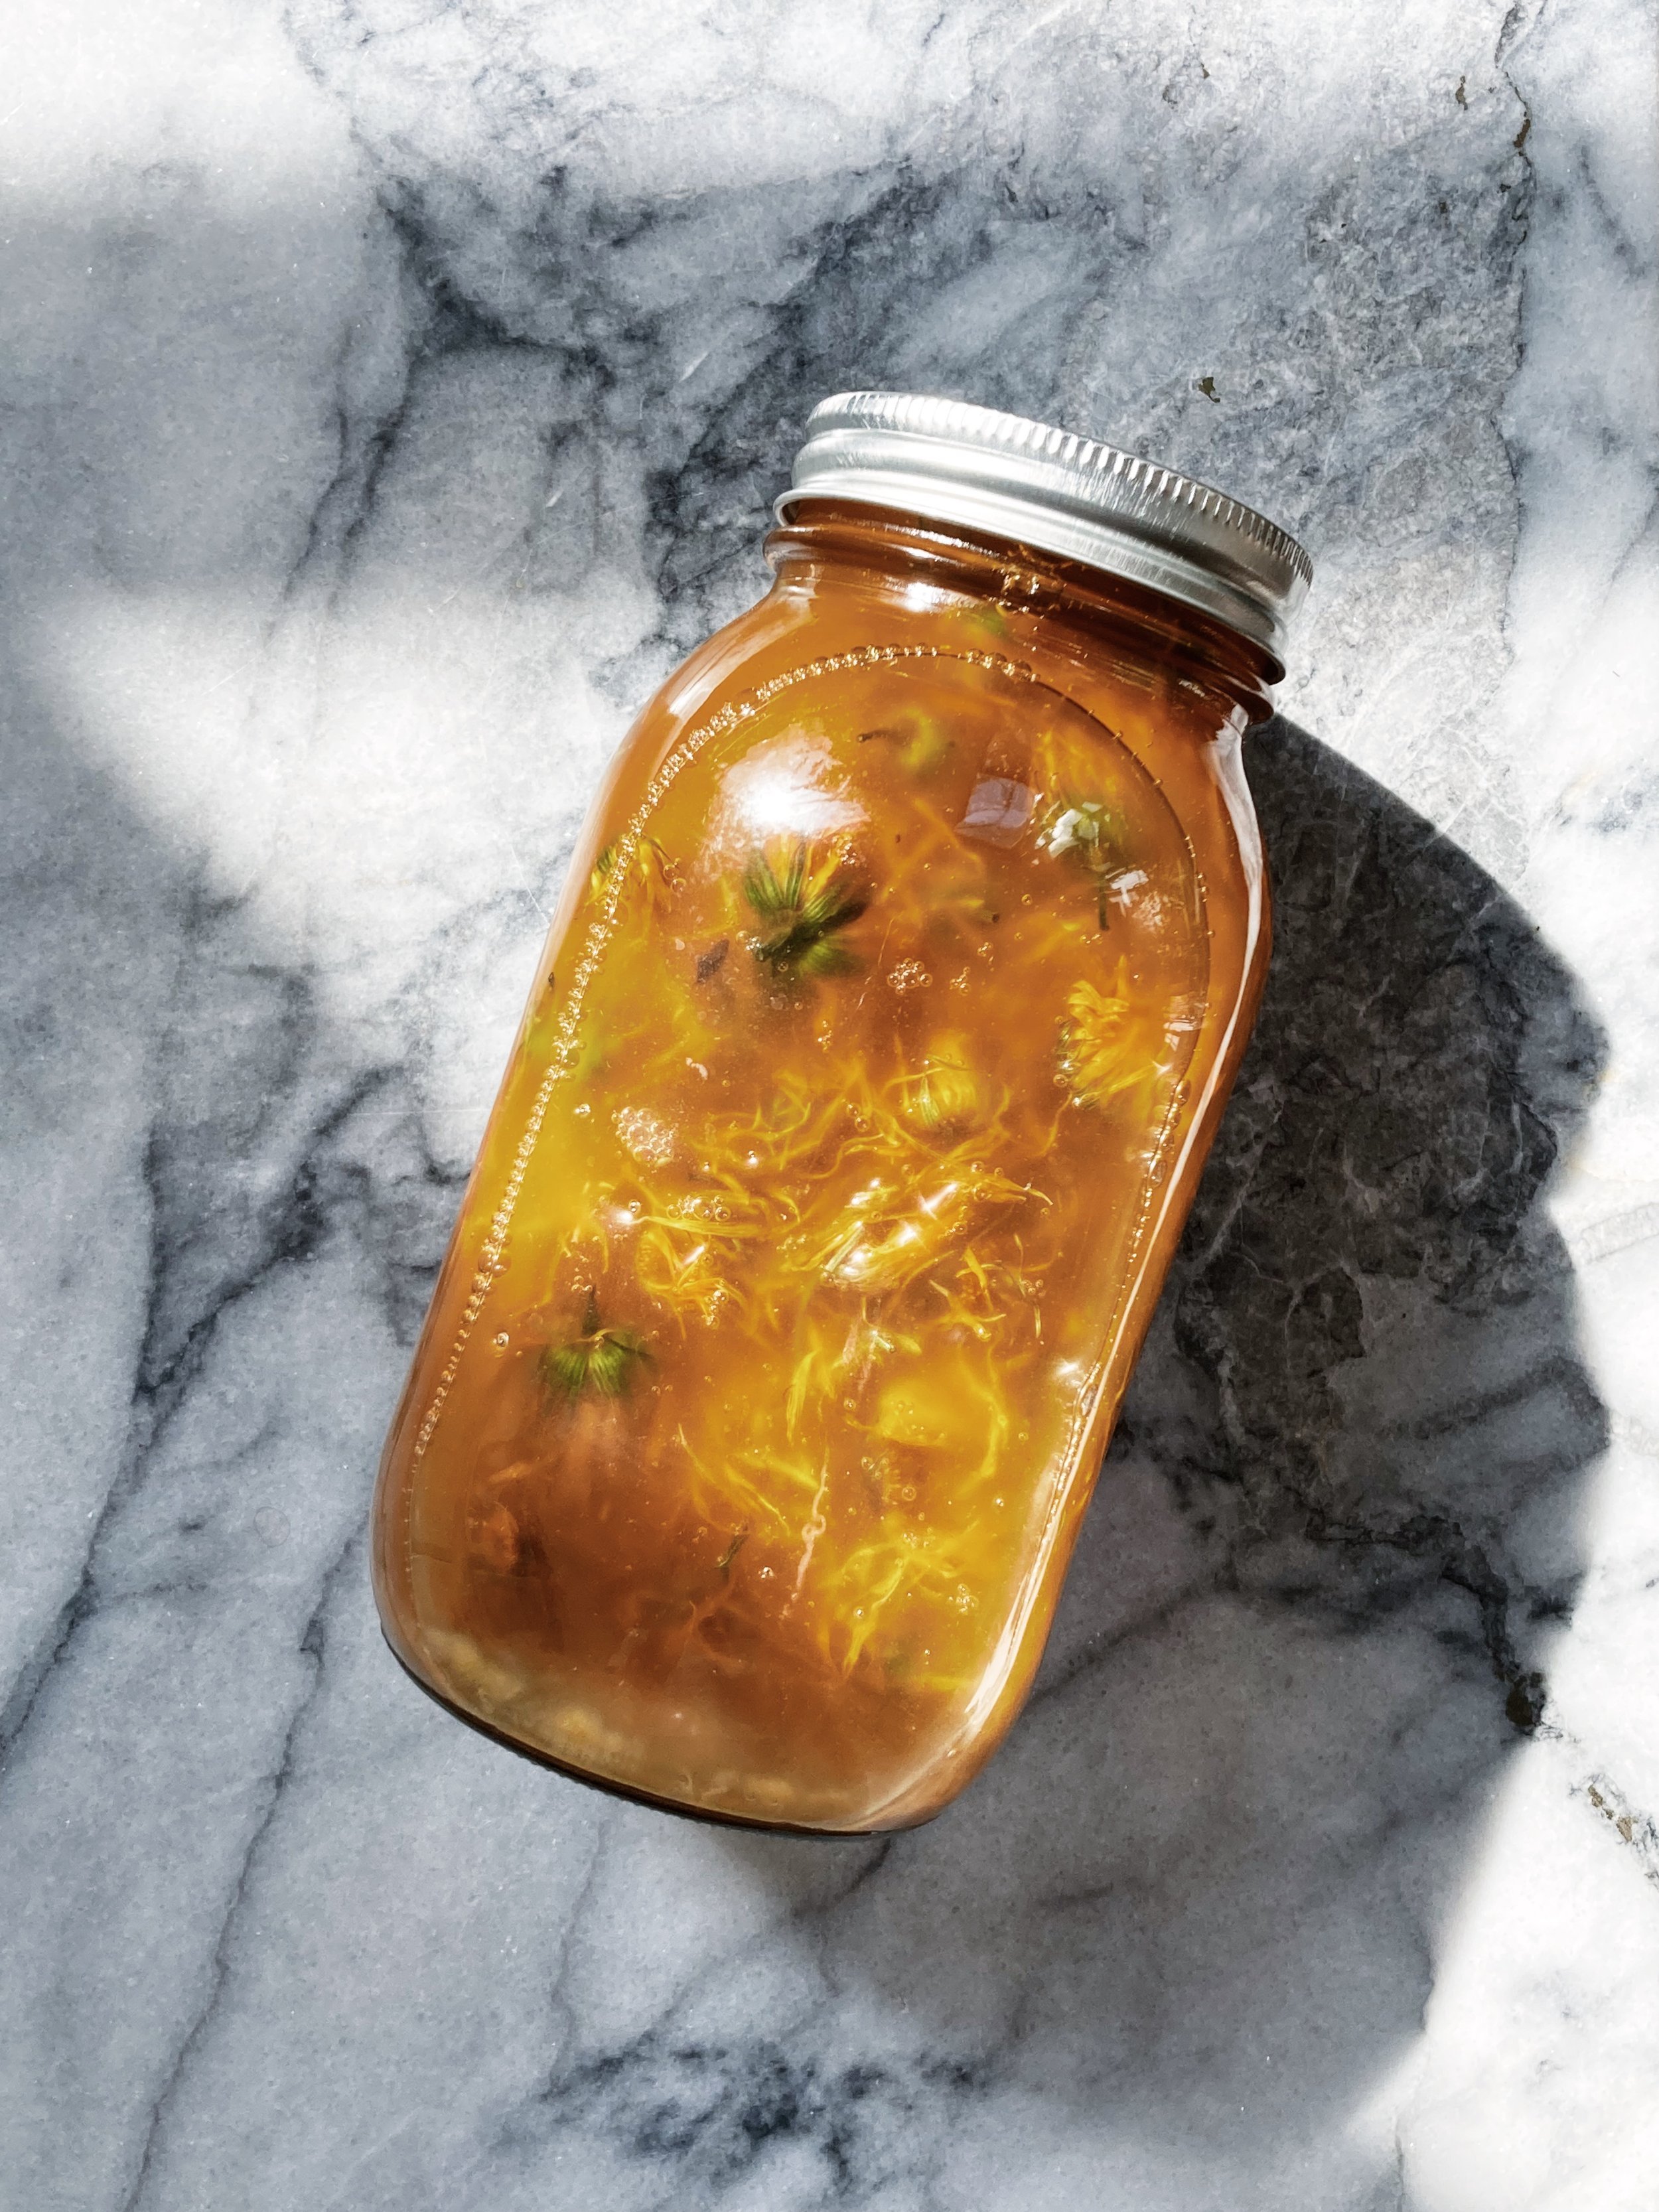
(889, 1008)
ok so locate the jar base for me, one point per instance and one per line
(683, 1808)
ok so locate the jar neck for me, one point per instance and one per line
(841, 544)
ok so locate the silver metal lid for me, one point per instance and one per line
(1062, 494)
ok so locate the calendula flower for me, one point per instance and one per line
(803, 905)
(948, 1096)
(1104, 1050)
(600, 1361)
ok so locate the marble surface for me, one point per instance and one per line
(389, 393)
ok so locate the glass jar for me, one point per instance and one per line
(887, 1017)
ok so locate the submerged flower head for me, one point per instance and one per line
(948, 1096)
(600, 1360)
(803, 905)
(1100, 1051)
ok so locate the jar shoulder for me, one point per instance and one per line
(1186, 735)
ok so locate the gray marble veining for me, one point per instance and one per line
(390, 395)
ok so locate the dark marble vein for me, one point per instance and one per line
(348, 1563)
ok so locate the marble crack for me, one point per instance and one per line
(1512, 31)
(880, 1852)
(876, 1858)
(716, 2109)
(275, 1787)
(330, 497)
(555, 1995)
(701, 508)
(295, 1227)
(1437, 1540)
(1518, 23)
(1559, 1371)
(378, 449)
(458, 321)
(1636, 264)
(1635, 1828)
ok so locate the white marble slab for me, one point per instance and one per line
(389, 395)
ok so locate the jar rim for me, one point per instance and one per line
(1040, 486)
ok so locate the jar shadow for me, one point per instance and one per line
(1309, 1618)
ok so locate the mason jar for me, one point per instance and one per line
(886, 1018)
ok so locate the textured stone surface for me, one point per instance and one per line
(390, 396)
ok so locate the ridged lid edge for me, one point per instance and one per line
(1105, 506)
